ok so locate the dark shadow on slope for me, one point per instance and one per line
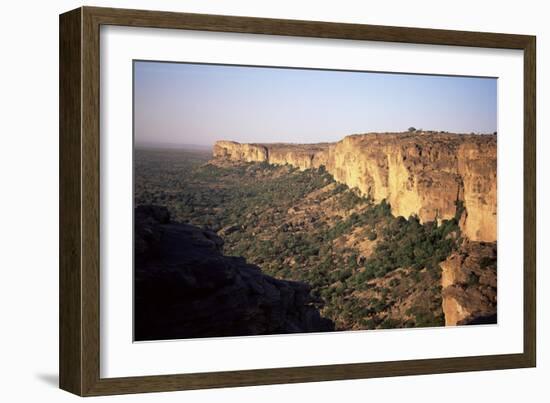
(186, 288)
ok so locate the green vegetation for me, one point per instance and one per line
(407, 243)
(302, 226)
(424, 317)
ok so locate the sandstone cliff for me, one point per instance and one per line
(417, 173)
(185, 287)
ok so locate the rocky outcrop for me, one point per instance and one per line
(469, 285)
(425, 174)
(185, 287)
(477, 166)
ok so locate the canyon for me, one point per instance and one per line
(434, 176)
(426, 174)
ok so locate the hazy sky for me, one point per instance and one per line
(180, 103)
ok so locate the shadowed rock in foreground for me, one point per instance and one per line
(186, 288)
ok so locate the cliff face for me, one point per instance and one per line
(185, 287)
(423, 174)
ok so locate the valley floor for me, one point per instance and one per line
(366, 268)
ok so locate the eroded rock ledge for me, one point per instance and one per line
(417, 173)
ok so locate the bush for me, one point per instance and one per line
(425, 318)
(487, 261)
(394, 282)
(390, 323)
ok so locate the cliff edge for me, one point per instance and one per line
(427, 174)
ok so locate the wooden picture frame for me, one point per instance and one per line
(79, 346)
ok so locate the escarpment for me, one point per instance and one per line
(185, 287)
(435, 176)
(427, 174)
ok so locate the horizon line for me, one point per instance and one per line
(199, 145)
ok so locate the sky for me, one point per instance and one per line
(198, 104)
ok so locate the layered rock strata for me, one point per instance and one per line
(427, 174)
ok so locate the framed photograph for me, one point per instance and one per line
(248, 201)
